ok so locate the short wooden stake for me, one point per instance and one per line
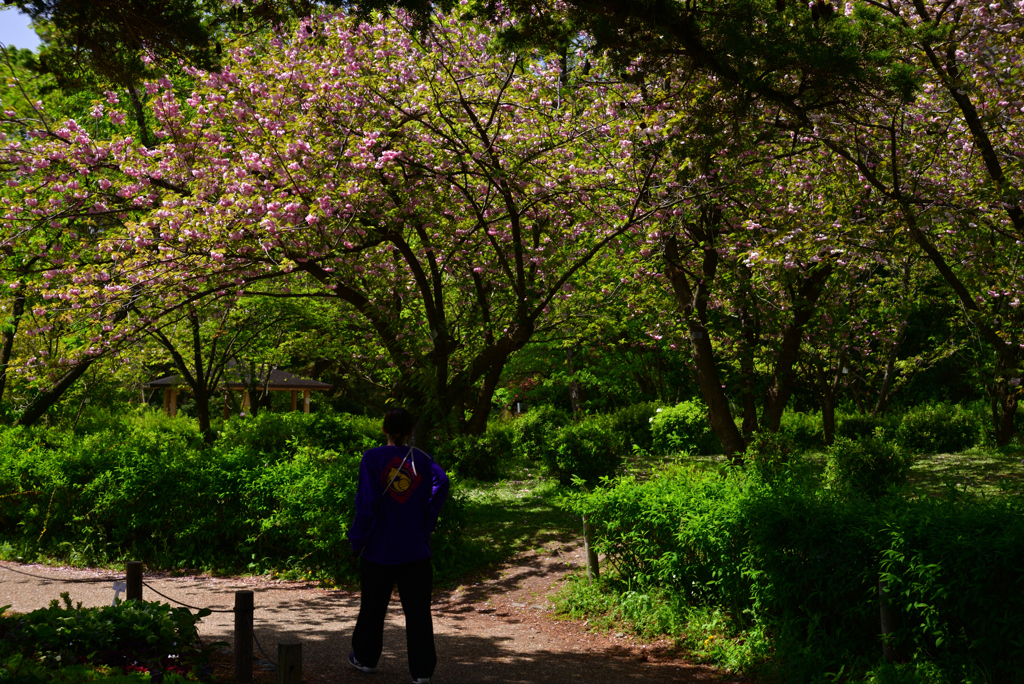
(593, 571)
(133, 581)
(244, 606)
(289, 663)
(889, 623)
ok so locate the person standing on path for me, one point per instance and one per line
(400, 494)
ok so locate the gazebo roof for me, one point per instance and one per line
(279, 380)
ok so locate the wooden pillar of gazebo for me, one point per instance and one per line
(305, 403)
(295, 399)
(227, 409)
(171, 401)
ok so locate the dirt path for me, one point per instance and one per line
(500, 629)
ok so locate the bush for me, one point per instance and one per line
(867, 466)
(953, 569)
(271, 434)
(124, 635)
(771, 454)
(533, 433)
(800, 567)
(806, 431)
(683, 427)
(856, 426)
(938, 428)
(477, 456)
(252, 501)
(586, 450)
(632, 426)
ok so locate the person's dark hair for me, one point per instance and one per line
(398, 423)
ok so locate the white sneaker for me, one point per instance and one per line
(363, 668)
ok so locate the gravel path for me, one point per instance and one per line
(500, 629)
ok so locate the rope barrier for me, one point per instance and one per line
(94, 580)
(181, 603)
(256, 639)
(97, 580)
(84, 580)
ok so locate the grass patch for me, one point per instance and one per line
(512, 516)
(982, 470)
(707, 634)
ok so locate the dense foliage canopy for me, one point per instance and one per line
(772, 196)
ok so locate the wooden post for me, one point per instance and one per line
(167, 400)
(593, 571)
(227, 410)
(133, 581)
(889, 620)
(244, 606)
(295, 399)
(289, 663)
(305, 403)
(174, 402)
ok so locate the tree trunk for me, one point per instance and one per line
(827, 392)
(574, 386)
(1004, 402)
(719, 413)
(1008, 404)
(888, 375)
(748, 373)
(200, 390)
(42, 402)
(17, 310)
(777, 395)
(140, 116)
(477, 424)
(693, 302)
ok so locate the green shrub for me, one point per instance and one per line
(683, 427)
(953, 569)
(477, 456)
(123, 635)
(251, 501)
(800, 567)
(632, 426)
(533, 433)
(938, 428)
(673, 532)
(856, 426)
(272, 433)
(586, 449)
(771, 454)
(806, 430)
(867, 466)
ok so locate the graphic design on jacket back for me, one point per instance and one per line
(405, 481)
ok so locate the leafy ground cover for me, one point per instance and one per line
(133, 641)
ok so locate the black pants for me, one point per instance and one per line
(415, 581)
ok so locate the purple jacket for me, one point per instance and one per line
(394, 526)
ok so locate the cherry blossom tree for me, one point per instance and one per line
(446, 194)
